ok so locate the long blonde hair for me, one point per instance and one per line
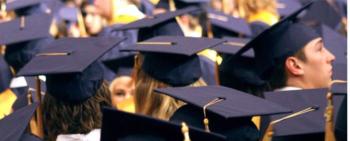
(247, 8)
(154, 104)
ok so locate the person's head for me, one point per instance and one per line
(60, 117)
(310, 67)
(147, 102)
(122, 93)
(94, 22)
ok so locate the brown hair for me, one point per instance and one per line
(60, 117)
(279, 76)
(150, 103)
(246, 8)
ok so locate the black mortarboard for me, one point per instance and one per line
(25, 29)
(340, 71)
(29, 137)
(5, 75)
(225, 25)
(235, 103)
(180, 4)
(287, 7)
(70, 66)
(227, 111)
(121, 65)
(339, 88)
(279, 41)
(21, 4)
(172, 59)
(232, 45)
(303, 125)
(122, 126)
(322, 12)
(335, 43)
(13, 126)
(68, 14)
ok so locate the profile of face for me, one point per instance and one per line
(316, 70)
(122, 91)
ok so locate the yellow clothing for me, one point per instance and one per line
(124, 13)
(211, 54)
(7, 99)
(265, 17)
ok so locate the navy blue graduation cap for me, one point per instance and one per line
(13, 126)
(72, 72)
(25, 28)
(225, 25)
(287, 7)
(306, 125)
(335, 43)
(232, 45)
(21, 4)
(122, 126)
(121, 65)
(279, 41)
(339, 88)
(29, 137)
(221, 110)
(340, 71)
(323, 12)
(5, 75)
(68, 14)
(180, 4)
(172, 59)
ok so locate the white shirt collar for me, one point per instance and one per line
(288, 88)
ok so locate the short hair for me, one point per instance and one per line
(278, 78)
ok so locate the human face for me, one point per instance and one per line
(122, 90)
(93, 21)
(318, 65)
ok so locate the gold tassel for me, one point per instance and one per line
(206, 120)
(185, 131)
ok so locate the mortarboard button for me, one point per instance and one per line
(118, 125)
(175, 58)
(13, 126)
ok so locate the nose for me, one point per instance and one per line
(330, 56)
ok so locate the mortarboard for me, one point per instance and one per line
(335, 43)
(29, 137)
(323, 12)
(21, 4)
(224, 110)
(122, 126)
(172, 59)
(282, 39)
(70, 64)
(5, 75)
(339, 71)
(287, 7)
(121, 65)
(339, 88)
(68, 14)
(13, 126)
(305, 125)
(232, 45)
(25, 28)
(225, 25)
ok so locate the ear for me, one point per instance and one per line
(294, 66)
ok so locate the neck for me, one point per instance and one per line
(300, 83)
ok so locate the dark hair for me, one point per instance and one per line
(60, 117)
(278, 75)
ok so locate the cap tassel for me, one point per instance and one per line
(206, 120)
(270, 130)
(185, 131)
(234, 44)
(22, 22)
(329, 112)
(3, 6)
(156, 43)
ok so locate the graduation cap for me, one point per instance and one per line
(21, 4)
(25, 28)
(72, 72)
(5, 75)
(122, 126)
(340, 71)
(232, 45)
(335, 43)
(305, 125)
(323, 12)
(121, 65)
(221, 109)
(279, 41)
(13, 126)
(287, 7)
(225, 25)
(171, 59)
(68, 14)
(339, 87)
(180, 4)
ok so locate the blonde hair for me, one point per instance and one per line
(151, 103)
(247, 8)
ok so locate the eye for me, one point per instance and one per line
(120, 94)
